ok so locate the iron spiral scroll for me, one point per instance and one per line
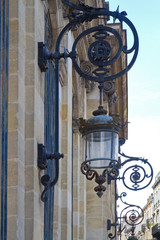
(107, 174)
(136, 176)
(101, 53)
(132, 214)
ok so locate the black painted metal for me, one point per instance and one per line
(140, 176)
(109, 224)
(132, 215)
(95, 53)
(44, 156)
(100, 55)
(99, 52)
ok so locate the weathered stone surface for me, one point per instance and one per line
(74, 195)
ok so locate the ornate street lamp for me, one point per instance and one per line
(101, 137)
(101, 131)
(101, 142)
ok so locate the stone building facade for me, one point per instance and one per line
(156, 207)
(28, 118)
(144, 230)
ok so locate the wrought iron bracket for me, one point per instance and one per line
(99, 51)
(132, 215)
(44, 56)
(136, 176)
(44, 156)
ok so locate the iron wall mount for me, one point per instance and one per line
(43, 157)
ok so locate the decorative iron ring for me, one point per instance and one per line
(136, 177)
(133, 215)
(86, 170)
(88, 14)
(100, 45)
(99, 52)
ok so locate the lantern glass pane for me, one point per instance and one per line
(101, 148)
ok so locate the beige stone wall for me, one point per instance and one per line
(26, 121)
(78, 212)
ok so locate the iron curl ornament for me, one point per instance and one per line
(135, 177)
(132, 215)
(138, 175)
(100, 52)
(107, 174)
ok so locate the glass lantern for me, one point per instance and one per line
(101, 139)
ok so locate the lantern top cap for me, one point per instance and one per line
(100, 119)
(100, 123)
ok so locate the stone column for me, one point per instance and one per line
(26, 121)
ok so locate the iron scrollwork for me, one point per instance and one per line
(100, 51)
(108, 174)
(100, 179)
(132, 215)
(136, 177)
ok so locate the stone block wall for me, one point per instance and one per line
(26, 120)
(78, 212)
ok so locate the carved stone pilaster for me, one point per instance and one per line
(112, 99)
(109, 87)
(75, 125)
(110, 92)
(86, 67)
(48, 29)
